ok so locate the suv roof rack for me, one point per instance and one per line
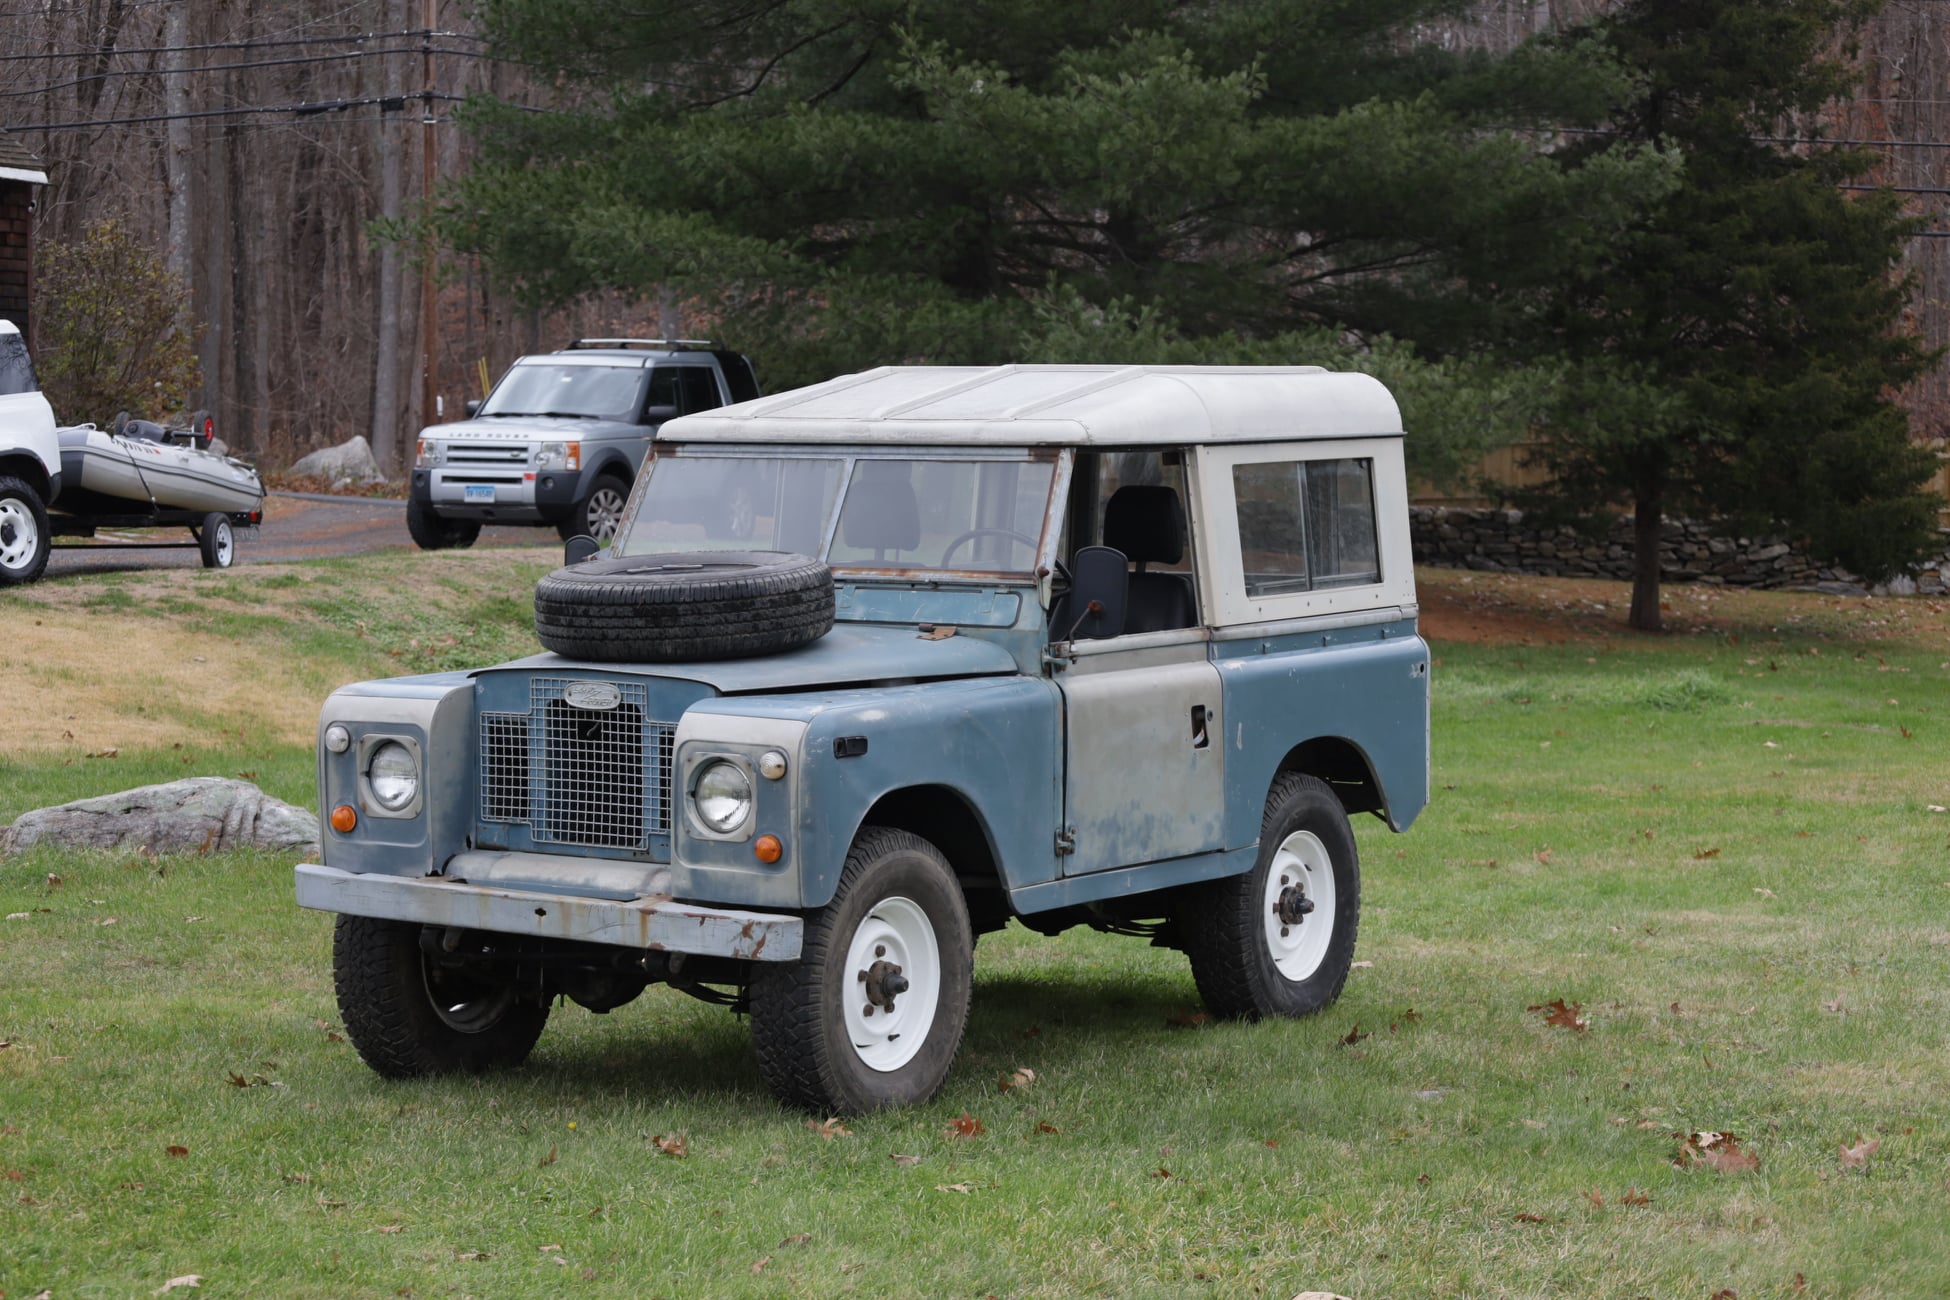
(678, 344)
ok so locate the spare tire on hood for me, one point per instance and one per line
(687, 606)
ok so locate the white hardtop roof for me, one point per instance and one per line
(1058, 406)
(8, 327)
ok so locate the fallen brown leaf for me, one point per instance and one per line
(1543, 856)
(555, 1249)
(1633, 1196)
(177, 1150)
(1563, 1015)
(1702, 854)
(1015, 1079)
(1717, 1151)
(963, 1188)
(391, 1229)
(1528, 1217)
(1047, 1128)
(546, 1160)
(1596, 1197)
(678, 1145)
(966, 1127)
(187, 1280)
(473, 1254)
(1188, 1019)
(905, 1161)
(1161, 1172)
(829, 1128)
(1857, 1156)
(1354, 1036)
(797, 1239)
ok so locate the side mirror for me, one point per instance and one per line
(658, 414)
(579, 548)
(1094, 607)
(473, 407)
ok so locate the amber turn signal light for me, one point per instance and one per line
(766, 848)
(344, 819)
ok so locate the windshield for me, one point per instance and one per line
(590, 392)
(978, 515)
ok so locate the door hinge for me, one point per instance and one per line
(1066, 841)
(1056, 657)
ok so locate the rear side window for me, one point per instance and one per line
(1306, 525)
(16, 371)
(699, 388)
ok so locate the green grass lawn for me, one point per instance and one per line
(1721, 847)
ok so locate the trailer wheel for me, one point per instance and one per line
(24, 535)
(217, 541)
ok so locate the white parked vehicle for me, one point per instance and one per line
(30, 463)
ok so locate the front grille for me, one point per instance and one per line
(475, 453)
(596, 777)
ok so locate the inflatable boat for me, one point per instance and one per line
(143, 475)
(146, 464)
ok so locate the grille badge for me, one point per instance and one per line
(592, 695)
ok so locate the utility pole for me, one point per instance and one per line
(429, 173)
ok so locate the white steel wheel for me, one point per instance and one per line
(871, 1014)
(1278, 940)
(20, 536)
(896, 963)
(1298, 912)
(217, 541)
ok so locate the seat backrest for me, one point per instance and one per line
(881, 512)
(1147, 523)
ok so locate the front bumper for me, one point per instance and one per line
(650, 922)
(511, 495)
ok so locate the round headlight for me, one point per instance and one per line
(722, 795)
(337, 738)
(393, 776)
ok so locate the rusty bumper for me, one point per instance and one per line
(651, 923)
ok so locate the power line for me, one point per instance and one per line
(416, 33)
(387, 103)
(256, 63)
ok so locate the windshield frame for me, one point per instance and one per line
(852, 456)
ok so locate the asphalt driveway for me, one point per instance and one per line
(296, 527)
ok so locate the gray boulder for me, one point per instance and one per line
(199, 814)
(349, 463)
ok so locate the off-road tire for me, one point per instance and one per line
(23, 558)
(674, 608)
(217, 541)
(382, 980)
(432, 533)
(598, 512)
(800, 1010)
(1224, 929)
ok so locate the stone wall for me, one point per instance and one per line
(1503, 541)
(16, 252)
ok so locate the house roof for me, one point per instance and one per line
(1059, 406)
(18, 162)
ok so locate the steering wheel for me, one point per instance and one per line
(974, 533)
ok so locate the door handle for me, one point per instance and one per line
(1201, 733)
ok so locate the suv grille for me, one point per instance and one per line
(597, 777)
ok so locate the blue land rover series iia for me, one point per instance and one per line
(1073, 645)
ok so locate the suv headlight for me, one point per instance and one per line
(722, 796)
(432, 452)
(559, 455)
(393, 776)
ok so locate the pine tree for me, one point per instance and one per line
(855, 182)
(1737, 354)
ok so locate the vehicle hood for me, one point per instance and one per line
(849, 653)
(530, 428)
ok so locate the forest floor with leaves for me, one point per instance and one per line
(1649, 1002)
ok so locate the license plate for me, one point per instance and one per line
(480, 492)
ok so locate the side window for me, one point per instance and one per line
(16, 372)
(1306, 525)
(663, 389)
(698, 388)
(1139, 470)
